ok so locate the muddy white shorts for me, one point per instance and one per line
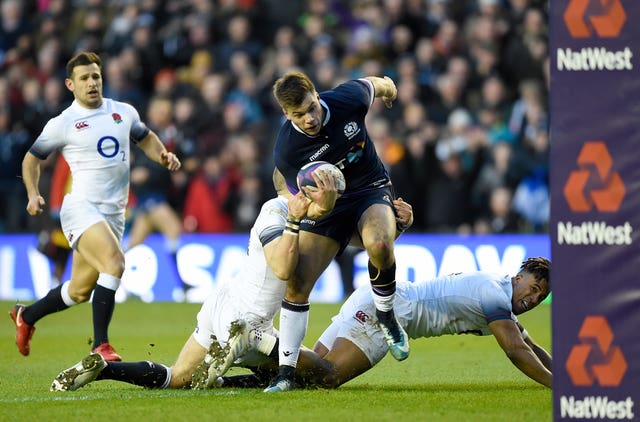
(217, 313)
(357, 323)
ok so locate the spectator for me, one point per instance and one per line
(489, 57)
(210, 198)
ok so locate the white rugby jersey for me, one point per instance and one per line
(462, 303)
(96, 145)
(256, 288)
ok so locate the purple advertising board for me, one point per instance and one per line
(595, 121)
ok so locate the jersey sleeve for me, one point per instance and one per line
(270, 222)
(495, 303)
(139, 130)
(370, 88)
(358, 93)
(50, 139)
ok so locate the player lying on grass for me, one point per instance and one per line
(480, 303)
(254, 296)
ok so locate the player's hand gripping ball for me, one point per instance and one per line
(306, 179)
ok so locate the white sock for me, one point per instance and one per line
(108, 281)
(64, 292)
(293, 328)
(167, 381)
(383, 303)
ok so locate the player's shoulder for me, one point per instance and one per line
(348, 89)
(349, 93)
(114, 105)
(273, 208)
(59, 122)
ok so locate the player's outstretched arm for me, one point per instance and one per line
(519, 352)
(543, 355)
(31, 180)
(155, 150)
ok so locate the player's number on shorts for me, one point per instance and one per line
(108, 147)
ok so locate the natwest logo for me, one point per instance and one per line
(595, 358)
(606, 20)
(595, 182)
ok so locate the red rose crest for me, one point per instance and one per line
(116, 118)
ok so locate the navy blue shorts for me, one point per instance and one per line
(147, 202)
(342, 222)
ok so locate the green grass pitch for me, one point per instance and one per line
(451, 378)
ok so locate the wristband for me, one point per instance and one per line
(289, 230)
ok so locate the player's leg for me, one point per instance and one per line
(347, 359)
(351, 344)
(140, 229)
(191, 355)
(167, 222)
(144, 374)
(61, 297)
(377, 228)
(315, 254)
(100, 249)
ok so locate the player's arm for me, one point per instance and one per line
(282, 253)
(384, 88)
(404, 216)
(31, 180)
(520, 353)
(155, 150)
(323, 199)
(543, 355)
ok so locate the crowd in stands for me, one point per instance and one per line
(466, 142)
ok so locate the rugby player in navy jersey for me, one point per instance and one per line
(330, 126)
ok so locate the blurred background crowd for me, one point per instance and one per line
(466, 142)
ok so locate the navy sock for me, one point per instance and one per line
(383, 282)
(103, 303)
(145, 374)
(49, 304)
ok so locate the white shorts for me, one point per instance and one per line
(78, 214)
(357, 323)
(217, 313)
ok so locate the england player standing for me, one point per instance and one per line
(94, 135)
(330, 126)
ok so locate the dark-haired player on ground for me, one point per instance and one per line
(479, 303)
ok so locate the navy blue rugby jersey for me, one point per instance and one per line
(342, 141)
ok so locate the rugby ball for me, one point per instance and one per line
(305, 177)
